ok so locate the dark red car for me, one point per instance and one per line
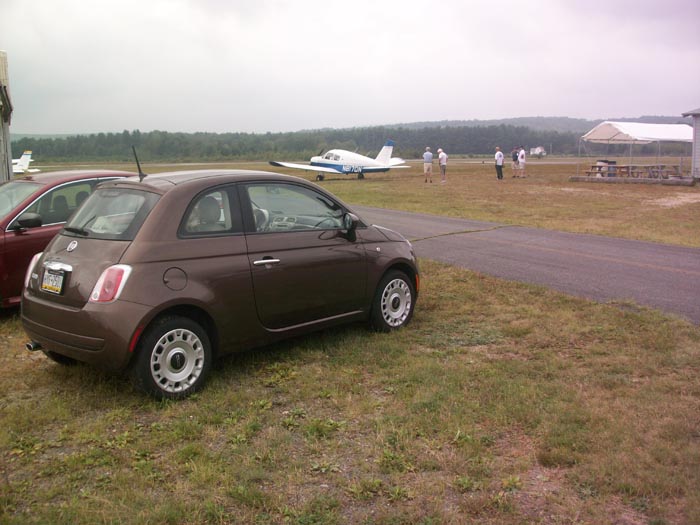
(34, 209)
(160, 276)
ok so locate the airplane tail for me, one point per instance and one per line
(21, 165)
(385, 154)
(24, 160)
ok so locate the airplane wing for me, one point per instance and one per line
(394, 167)
(307, 167)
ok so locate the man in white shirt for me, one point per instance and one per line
(442, 160)
(521, 162)
(428, 164)
(499, 163)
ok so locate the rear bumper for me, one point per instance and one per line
(98, 334)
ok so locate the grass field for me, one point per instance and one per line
(546, 199)
(500, 403)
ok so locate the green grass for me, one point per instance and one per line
(513, 404)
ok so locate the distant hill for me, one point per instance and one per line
(460, 137)
(557, 124)
(655, 119)
(560, 124)
(14, 137)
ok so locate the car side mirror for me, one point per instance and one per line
(27, 220)
(350, 222)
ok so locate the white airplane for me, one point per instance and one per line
(342, 162)
(21, 165)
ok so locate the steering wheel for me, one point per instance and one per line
(326, 219)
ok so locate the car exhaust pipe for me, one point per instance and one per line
(33, 346)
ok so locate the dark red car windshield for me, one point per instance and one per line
(13, 193)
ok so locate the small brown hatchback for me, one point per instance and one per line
(160, 276)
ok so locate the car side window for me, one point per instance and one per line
(210, 213)
(287, 207)
(57, 205)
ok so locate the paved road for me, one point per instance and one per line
(599, 268)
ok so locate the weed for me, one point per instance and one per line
(468, 484)
(391, 461)
(366, 489)
(322, 428)
(511, 483)
(325, 467)
(399, 494)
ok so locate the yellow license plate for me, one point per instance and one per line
(53, 281)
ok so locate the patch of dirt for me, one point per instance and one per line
(674, 201)
(576, 190)
(547, 497)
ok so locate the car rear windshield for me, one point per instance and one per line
(112, 213)
(14, 192)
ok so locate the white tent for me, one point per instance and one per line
(631, 133)
(638, 133)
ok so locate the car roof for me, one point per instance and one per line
(54, 177)
(162, 182)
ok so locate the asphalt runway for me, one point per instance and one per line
(600, 268)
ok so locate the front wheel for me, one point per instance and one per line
(174, 358)
(393, 302)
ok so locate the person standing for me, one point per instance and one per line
(521, 162)
(442, 160)
(428, 164)
(515, 165)
(499, 163)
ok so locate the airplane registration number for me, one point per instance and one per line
(53, 281)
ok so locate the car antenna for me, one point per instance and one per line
(142, 175)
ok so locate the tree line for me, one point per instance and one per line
(159, 146)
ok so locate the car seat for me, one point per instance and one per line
(80, 197)
(61, 212)
(209, 213)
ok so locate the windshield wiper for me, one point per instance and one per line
(79, 231)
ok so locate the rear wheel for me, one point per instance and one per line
(393, 302)
(174, 358)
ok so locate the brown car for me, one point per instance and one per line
(160, 276)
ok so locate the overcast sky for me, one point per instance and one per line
(284, 65)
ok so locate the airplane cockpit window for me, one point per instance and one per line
(336, 157)
(329, 156)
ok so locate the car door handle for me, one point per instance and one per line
(264, 262)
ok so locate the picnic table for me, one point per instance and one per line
(649, 171)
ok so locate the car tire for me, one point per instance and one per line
(60, 359)
(393, 302)
(174, 358)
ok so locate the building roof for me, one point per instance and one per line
(692, 112)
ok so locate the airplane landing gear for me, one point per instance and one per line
(360, 176)
(320, 177)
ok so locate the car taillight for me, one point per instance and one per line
(110, 284)
(30, 268)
